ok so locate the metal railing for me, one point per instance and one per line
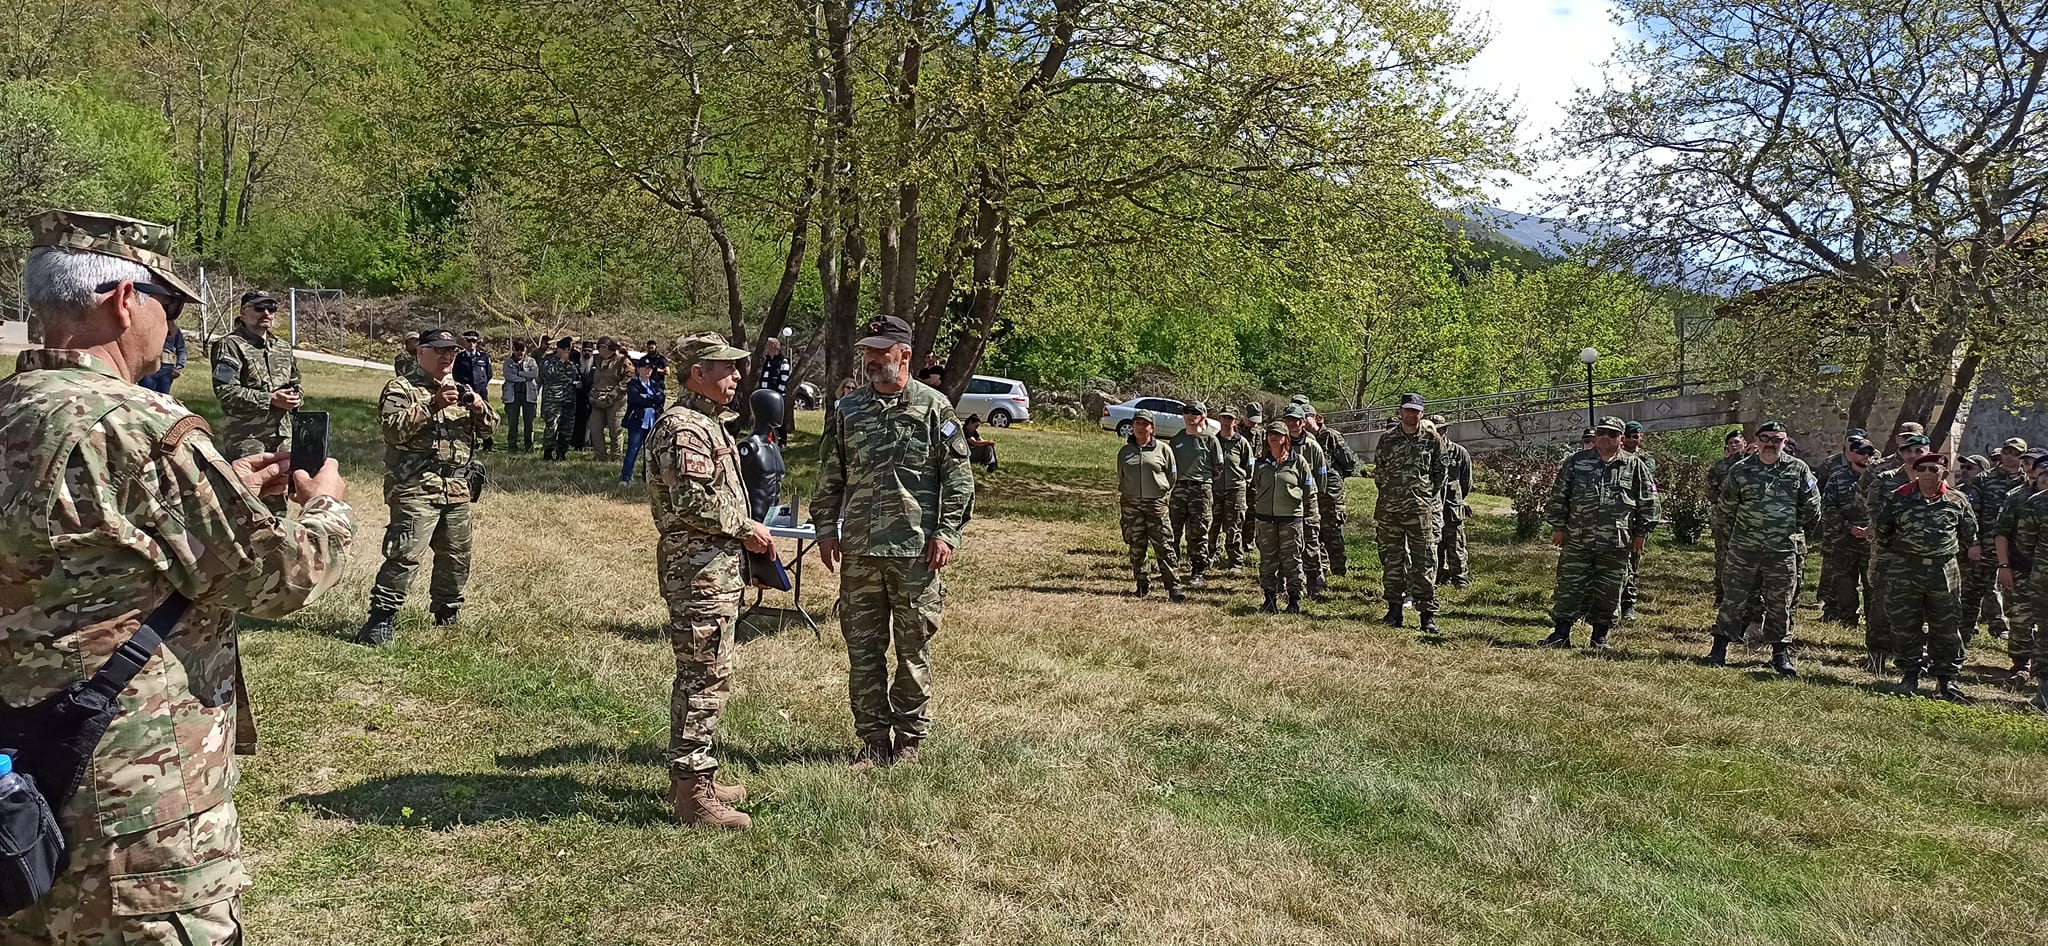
(1535, 400)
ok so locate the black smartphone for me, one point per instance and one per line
(309, 441)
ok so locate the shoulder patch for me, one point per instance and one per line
(175, 437)
(225, 372)
(948, 429)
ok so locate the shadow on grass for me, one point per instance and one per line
(642, 753)
(431, 801)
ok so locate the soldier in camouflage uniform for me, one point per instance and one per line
(1879, 482)
(1632, 445)
(1284, 486)
(1829, 573)
(895, 491)
(701, 526)
(609, 375)
(1770, 503)
(1733, 449)
(1923, 526)
(1600, 508)
(1453, 563)
(1253, 426)
(561, 376)
(1409, 470)
(256, 378)
(433, 429)
(1196, 457)
(1988, 490)
(1145, 473)
(1844, 533)
(1299, 441)
(1233, 482)
(118, 500)
(1330, 495)
(2022, 546)
(404, 360)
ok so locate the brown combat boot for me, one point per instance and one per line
(873, 754)
(727, 795)
(906, 750)
(691, 798)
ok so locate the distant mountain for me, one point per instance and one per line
(1545, 236)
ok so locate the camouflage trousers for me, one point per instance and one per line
(1280, 556)
(1588, 583)
(1877, 628)
(700, 630)
(1923, 603)
(609, 421)
(1981, 598)
(1191, 509)
(2023, 609)
(418, 524)
(558, 425)
(178, 884)
(1330, 510)
(1407, 542)
(1144, 523)
(1628, 581)
(1453, 563)
(1227, 533)
(1720, 560)
(1248, 538)
(1845, 579)
(1769, 578)
(884, 600)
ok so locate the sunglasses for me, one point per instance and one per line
(1770, 440)
(265, 307)
(172, 300)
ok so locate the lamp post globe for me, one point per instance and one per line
(1588, 355)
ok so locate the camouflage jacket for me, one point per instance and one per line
(247, 370)
(1284, 487)
(403, 362)
(1769, 507)
(559, 380)
(1988, 494)
(1236, 471)
(428, 453)
(1309, 450)
(1649, 466)
(114, 498)
(1409, 471)
(1195, 457)
(699, 502)
(1457, 478)
(2024, 525)
(608, 381)
(1827, 467)
(1912, 525)
(1715, 474)
(895, 473)
(1343, 462)
(1600, 503)
(1840, 510)
(1874, 489)
(1146, 472)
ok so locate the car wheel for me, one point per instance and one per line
(999, 418)
(1123, 429)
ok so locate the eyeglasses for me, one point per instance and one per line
(1773, 441)
(172, 300)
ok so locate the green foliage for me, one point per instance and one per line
(1523, 474)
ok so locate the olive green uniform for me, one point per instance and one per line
(1233, 485)
(1144, 476)
(1196, 457)
(1283, 495)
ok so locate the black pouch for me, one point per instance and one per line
(52, 744)
(477, 480)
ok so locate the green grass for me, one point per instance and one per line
(1105, 770)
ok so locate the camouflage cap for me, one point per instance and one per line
(2015, 444)
(1615, 424)
(1144, 415)
(704, 346)
(1296, 411)
(1277, 427)
(1634, 427)
(1225, 414)
(1437, 419)
(137, 241)
(1911, 428)
(410, 337)
(1978, 460)
(1194, 407)
(1298, 399)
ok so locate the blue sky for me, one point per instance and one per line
(1542, 51)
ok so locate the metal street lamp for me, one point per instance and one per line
(1588, 356)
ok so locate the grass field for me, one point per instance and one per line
(1105, 770)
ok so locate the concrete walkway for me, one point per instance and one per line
(14, 338)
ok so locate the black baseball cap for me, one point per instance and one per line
(885, 331)
(254, 296)
(438, 338)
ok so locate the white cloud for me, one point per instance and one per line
(1541, 53)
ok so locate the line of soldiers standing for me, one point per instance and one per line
(1280, 490)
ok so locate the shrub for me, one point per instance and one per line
(1682, 494)
(1523, 474)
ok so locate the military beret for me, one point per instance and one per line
(1411, 402)
(1295, 411)
(1194, 407)
(565, 342)
(705, 346)
(1916, 440)
(137, 241)
(1610, 423)
(1771, 427)
(2015, 444)
(438, 338)
(1632, 427)
(1732, 436)
(1144, 415)
(1929, 458)
(1277, 427)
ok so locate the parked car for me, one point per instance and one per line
(1166, 416)
(1000, 401)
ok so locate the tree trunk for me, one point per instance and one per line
(1871, 379)
(1952, 406)
(993, 263)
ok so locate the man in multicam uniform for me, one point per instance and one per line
(894, 493)
(119, 500)
(701, 526)
(433, 429)
(1600, 508)
(1233, 485)
(1770, 503)
(1408, 469)
(1923, 526)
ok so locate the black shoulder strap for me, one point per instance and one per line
(134, 653)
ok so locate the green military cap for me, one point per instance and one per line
(1226, 412)
(1610, 423)
(1295, 411)
(1312, 412)
(1144, 415)
(410, 337)
(1771, 427)
(137, 241)
(1916, 440)
(1194, 407)
(705, 346)
(1277, 427)
(1632, 427)
(1978, 460)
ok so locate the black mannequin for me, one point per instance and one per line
(761, 457)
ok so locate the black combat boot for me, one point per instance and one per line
(1599, 638)
(1945, 688)
(1560, 635)
(1176, 595)
(2021, 673)
(1909, 682)
(1717, 656)
(1393, 618)
(2040, 700)
(1144, 586)
(377, 630)
(1293, 602)
(1781, 660)
(1429, 628)
(447, 617)
(1271, 606)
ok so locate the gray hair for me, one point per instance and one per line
(58, 282)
